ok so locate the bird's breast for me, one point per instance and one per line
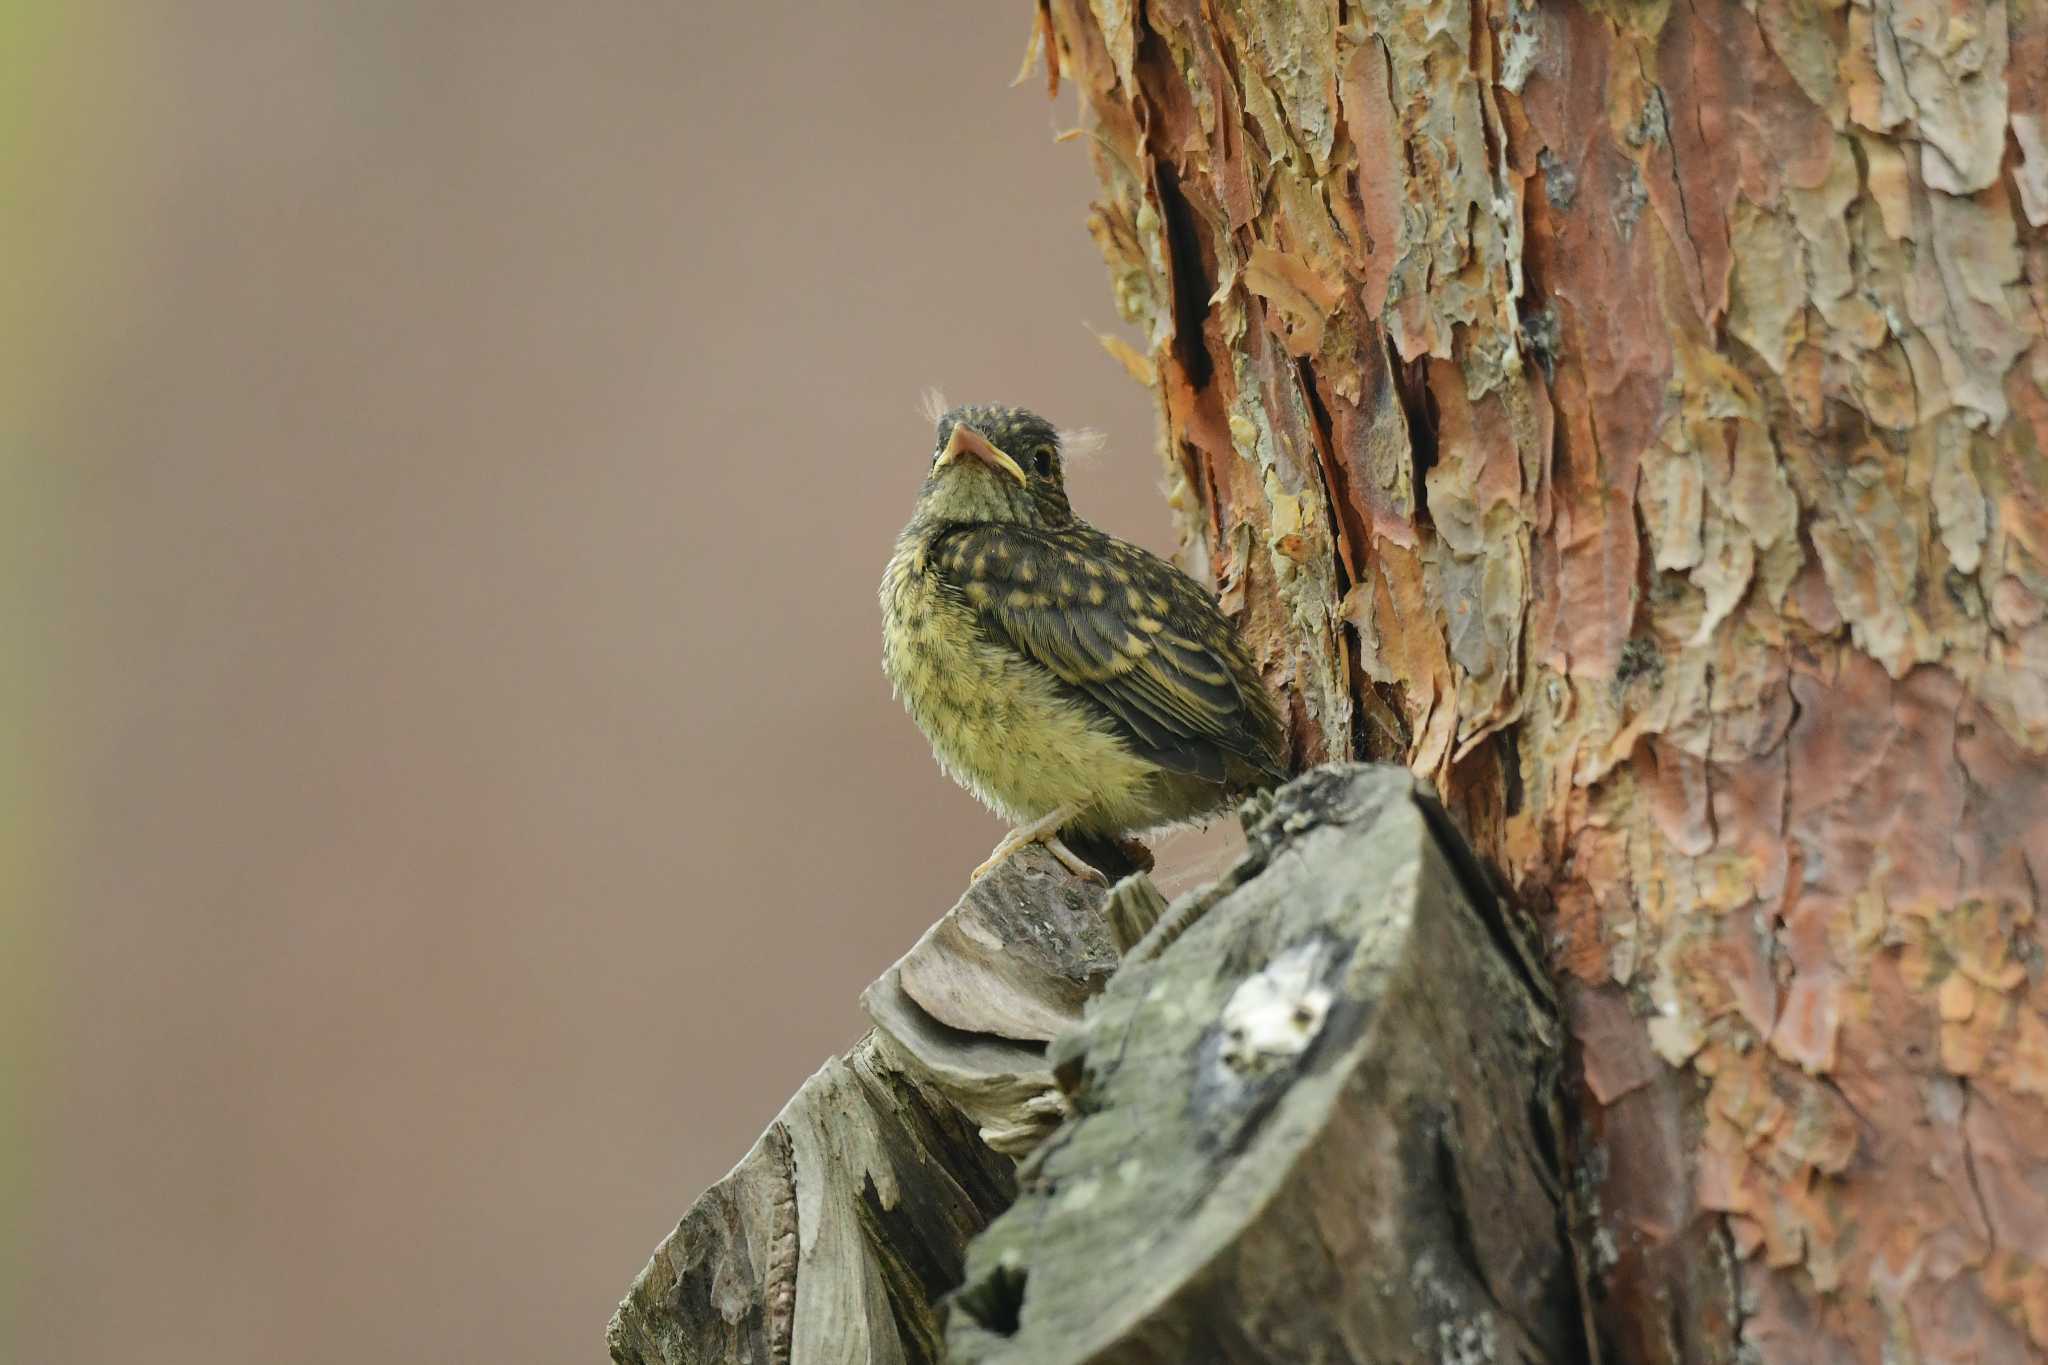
(999, 724)
(951, 679)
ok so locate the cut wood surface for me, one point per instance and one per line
(1320, 1124)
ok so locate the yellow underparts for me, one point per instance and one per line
(1000, 726)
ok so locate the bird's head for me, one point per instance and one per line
(995, 464)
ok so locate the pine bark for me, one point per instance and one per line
(1633, 418)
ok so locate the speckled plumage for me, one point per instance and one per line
(1055, 668)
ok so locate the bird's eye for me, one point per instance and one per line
(1041, 460)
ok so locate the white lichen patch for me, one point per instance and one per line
(1276, 1012)
(1080, 1194)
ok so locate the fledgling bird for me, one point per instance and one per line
(1071, 681)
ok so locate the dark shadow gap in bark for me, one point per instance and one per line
(997, 1302)
(1336, 496)
(1189, 273)
(1411, 388)
(1487, 891)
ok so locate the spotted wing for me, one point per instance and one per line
(1126, 630)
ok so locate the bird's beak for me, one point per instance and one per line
(967, 441)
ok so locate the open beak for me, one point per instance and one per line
(967, 441)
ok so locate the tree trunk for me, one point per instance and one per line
(1634, 418)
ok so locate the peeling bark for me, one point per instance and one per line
(1634, 418)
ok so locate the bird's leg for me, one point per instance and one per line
(1075, 863)
(1044, 830)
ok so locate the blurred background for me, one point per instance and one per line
(448, 795)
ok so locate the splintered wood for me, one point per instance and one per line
(835, 1237)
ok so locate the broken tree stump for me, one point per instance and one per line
(1309, 1115)
(834, 1238)
(1318, 1124)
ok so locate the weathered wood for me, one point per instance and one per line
(1320, 1124)
(969, 1009)
(1313, 1115)
(829, 1240)
(834, 1236)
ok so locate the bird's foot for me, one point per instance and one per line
(1045, 830)
(1074, 862)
